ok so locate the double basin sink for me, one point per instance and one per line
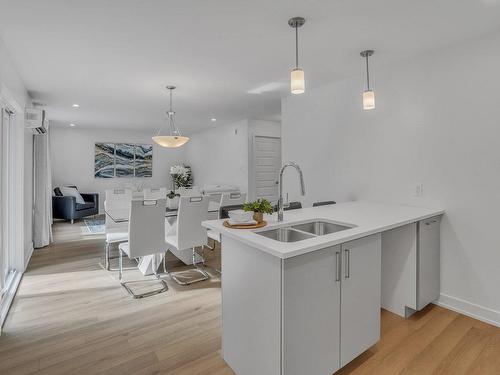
(303, 231)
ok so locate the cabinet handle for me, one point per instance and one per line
(337, 266)
(347, 263)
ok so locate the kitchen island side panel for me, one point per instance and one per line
(251, 309)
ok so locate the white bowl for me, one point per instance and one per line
(240, 216)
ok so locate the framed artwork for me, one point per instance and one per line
(104, 156)
(143, 166)
(123, 160)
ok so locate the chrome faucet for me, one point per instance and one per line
(302, 186)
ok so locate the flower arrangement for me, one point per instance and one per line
(181, 176)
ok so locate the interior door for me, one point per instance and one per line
(267, 164)
(311, 313)
(360, 298)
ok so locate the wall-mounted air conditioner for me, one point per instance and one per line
(35, 120)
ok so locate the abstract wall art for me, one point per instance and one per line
(104, 165)
(123, 160)
(143, 166)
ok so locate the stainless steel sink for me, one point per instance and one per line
(285, 235)
(320, 228)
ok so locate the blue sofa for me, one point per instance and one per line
(65, 207)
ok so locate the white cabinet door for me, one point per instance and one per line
(311, 313)
(360, 298)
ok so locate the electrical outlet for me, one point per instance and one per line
(419, 190)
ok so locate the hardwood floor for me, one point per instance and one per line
(72, 317)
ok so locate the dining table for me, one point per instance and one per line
(149, 263)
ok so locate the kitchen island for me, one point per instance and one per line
(303, 296)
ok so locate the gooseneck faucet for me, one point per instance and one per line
(302, 186)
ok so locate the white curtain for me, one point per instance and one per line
(42, 231)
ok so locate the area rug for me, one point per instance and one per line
(95, 226)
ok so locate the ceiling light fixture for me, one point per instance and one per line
(297, 82)
(368, 94)
(72, 125)
(213, 119)
(175, 139)
(76, 105)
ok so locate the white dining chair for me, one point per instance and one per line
(115, 232)
(227, 199)
(155, 193)
(189, 235)
(146, 232)
(193, 191)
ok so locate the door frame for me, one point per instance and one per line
(251, 164)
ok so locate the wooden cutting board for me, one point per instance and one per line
(243, 226)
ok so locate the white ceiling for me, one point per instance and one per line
(115, 57)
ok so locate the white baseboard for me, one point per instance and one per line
(8, 297)
(473, 310)
(28, 255)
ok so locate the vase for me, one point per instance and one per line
(258, 217)
(173, 203)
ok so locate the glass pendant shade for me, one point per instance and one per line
(170, 141)
(297, 82)
(174, 139)
(368, 100)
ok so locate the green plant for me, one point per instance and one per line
(260, 205)
(172, 195)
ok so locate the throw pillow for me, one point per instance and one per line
(72, 192)
(57, 192)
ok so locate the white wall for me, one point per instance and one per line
(436, 123)
(72, 156)
(221, 154)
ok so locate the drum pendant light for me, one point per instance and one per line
(368, 94)
(297, 81)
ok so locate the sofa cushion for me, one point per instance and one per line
(73, 192)
(84, 206)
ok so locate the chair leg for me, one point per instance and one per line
(143, 295)
(211, 247)
(120, 266)
(107, 259)
(72, 221)
(204, 274)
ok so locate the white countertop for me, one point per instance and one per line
(368, 218)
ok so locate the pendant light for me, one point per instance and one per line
(297, 82)
(368, 94)
(175, 139)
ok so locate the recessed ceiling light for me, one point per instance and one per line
(213, 119)
(72, 125)
(76, 105)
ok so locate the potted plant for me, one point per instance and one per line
(259, 208)
(173, 200)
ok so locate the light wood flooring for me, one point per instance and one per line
(72, 317)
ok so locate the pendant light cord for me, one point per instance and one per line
(367, 73)
(296, 46)
(173, 129)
